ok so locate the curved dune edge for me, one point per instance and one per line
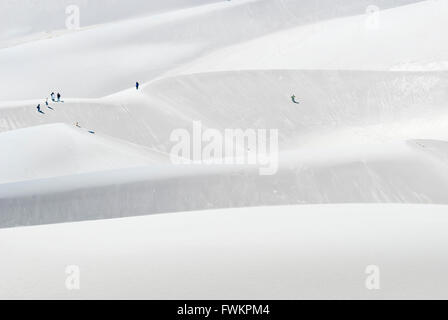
(349, 140)
(288, 252)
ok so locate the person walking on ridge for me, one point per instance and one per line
(293, 98)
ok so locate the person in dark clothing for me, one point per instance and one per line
(137, 85)
(52, 96)
(59, 97)
(38, 108)
(293, 98)
(48, 106)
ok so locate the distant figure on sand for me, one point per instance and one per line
(59, 97)
(52, 96)
(137, 85)
(293, 98)
(48, 106)
(38, 108)
(77, 124)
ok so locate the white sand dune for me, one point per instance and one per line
(392, 41)
(377, 106)
(107, 58)
(412, 172)
(349, 140)
(28, 20)
(367, 145)
(58, 150)
(290, 252)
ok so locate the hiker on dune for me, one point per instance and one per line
(293, 98)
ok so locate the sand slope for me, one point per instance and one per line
(59, 149)
(386, 40)
(290, 252)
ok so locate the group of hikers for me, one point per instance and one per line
(54, 98)
(57, 98)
